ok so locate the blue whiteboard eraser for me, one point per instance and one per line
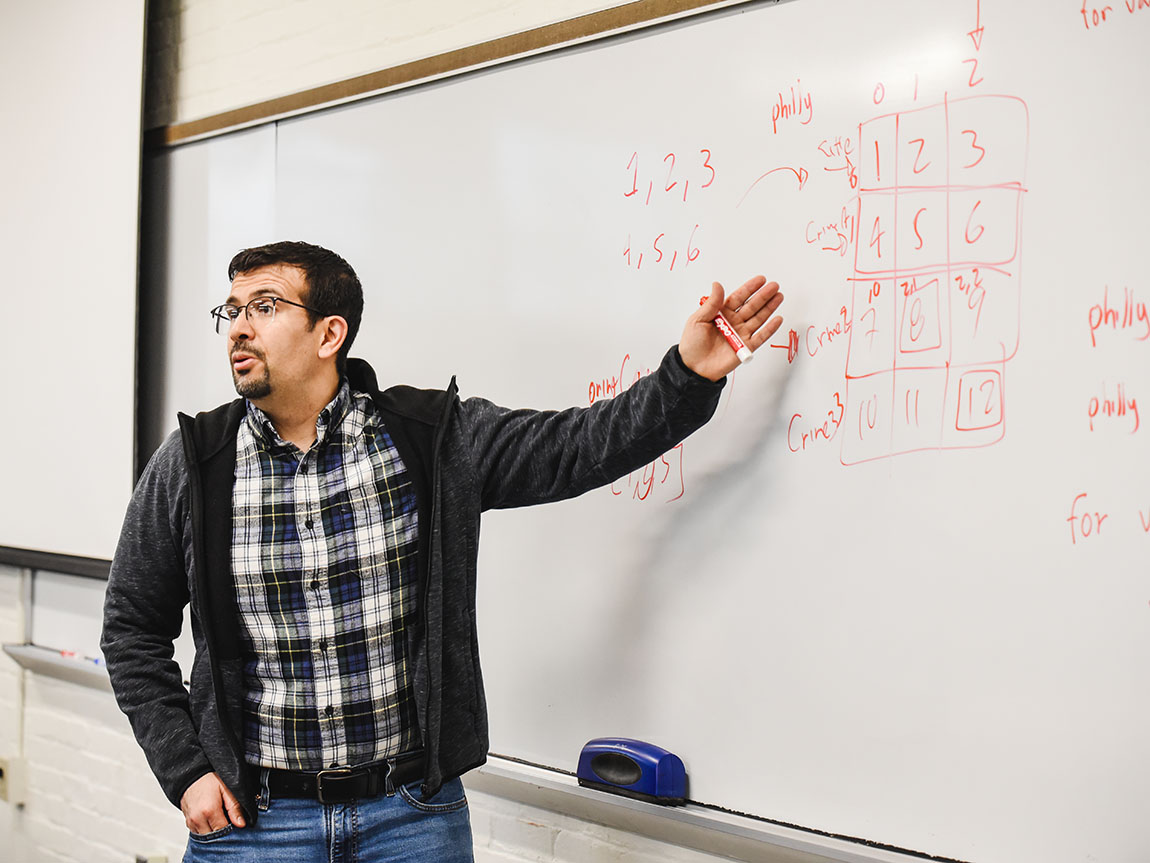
(633, 768)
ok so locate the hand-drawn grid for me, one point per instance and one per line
(936, 283)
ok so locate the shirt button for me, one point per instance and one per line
(314, 585)
(308, 524)
(323, 644)
(329, 710)
(303, 468)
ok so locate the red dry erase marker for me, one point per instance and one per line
(741, 350)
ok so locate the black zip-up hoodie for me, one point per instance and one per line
(463, 456)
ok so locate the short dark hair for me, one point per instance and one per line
(332, 287)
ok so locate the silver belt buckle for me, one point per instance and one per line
(333, 776)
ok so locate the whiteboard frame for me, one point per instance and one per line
(614, 21)
(702, 828)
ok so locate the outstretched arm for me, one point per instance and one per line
(526, 457)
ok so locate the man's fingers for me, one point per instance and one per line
(762, 325)
(207, 820)
(756, 317)
(207, 804)
(712, 304)
(218, 819)
(754, 304)
(235, 811)
(763, 335)
(745, 291)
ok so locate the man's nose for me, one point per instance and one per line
(241, 327)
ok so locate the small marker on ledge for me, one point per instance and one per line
(71, 654)
(741, 350)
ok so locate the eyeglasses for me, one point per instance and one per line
(259, 311)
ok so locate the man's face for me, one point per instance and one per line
(270, 356)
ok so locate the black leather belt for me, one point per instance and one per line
(344, 784)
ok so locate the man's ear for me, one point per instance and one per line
(332, 335)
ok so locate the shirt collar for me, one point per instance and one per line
(329, 418)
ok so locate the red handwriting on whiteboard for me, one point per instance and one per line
(802, 433)
(792, 105)
(1088, 522)
(818, 338)
(791, 347)
(839, 153)
(664, 474)
(663, 251)
(1094, 16)
(970, 286)
(670, 177)
(1130, 315)
(975, 37)
(1118, 405)
(833, 237)
(801, 174)
(662, 479)
(1084, 523)
(935, 296)
(609, 387)
(658, 188)
(980, 401)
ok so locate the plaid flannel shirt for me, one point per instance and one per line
(324, 561)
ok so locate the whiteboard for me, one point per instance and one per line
(69, 219)
(896, 589)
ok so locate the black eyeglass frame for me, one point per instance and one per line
(221, 316)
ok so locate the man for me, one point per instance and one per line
(325, 533)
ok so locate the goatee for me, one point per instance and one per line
(247, 384)
(252, 387)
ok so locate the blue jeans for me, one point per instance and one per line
(400, 828)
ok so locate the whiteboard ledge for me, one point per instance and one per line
(692, 826)
(50, 561)
(50, 663)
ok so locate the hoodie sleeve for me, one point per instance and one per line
(526, 457)
(143, 614)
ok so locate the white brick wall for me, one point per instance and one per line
(11, 632)
(90, 795)
(507, 831)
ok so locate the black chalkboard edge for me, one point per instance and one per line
(607, 22)
(49, 561)
(894, 849)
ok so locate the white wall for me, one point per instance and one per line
(89, 793)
